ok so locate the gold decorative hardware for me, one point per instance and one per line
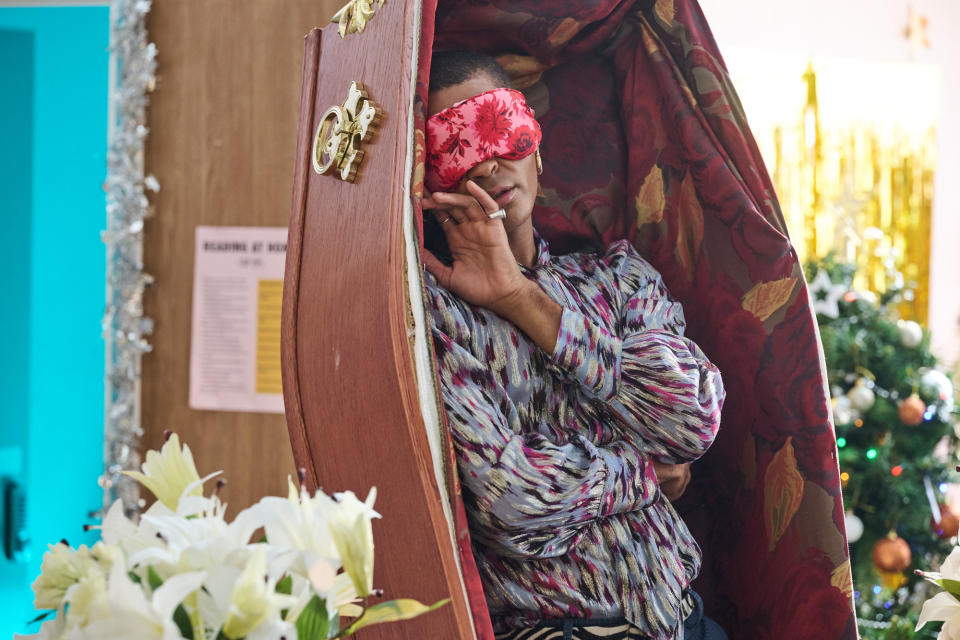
(354, 15)
(341, 131)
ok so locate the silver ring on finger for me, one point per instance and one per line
(447, 219)
(497, 215)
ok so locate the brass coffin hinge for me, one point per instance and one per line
(354, 15)
(341, 132)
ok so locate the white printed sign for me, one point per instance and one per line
(235, 345)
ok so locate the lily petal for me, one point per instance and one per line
(172, 592)
(950, 630)
(942, 606)
(951, 566)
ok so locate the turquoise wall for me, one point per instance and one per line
(53, 128)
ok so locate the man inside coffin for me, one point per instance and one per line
(574, 401)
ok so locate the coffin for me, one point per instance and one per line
(644, 138)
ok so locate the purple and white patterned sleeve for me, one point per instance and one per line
(659, 384)
(529, 496)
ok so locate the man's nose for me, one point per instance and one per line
(484, 169)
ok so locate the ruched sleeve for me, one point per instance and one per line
(527, 495)
(658, 384)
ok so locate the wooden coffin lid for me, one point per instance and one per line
(353, 404)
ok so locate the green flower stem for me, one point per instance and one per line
(344, 630)
(196, 620)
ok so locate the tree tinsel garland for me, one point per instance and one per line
(125, 328)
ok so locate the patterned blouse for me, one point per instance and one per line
(555, 452)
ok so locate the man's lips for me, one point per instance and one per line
(504, 195)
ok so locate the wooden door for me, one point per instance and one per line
(350, 387)
(223, 123)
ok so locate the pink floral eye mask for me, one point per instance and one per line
(494, 124)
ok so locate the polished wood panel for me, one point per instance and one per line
(349, 382)
(223, 125)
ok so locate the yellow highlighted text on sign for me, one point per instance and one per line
(269, 297)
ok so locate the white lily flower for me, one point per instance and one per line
(350, 526)
(299, 522)
(253, 598)
(130, 610)
(62, 567)
(942, 606)
(136, 540)
(169, 473)
(78, 578)
(117, 530)
(214, 601)
(226, 585)
(945, 605)
(88, 600)
(116, 527)
(200, 542)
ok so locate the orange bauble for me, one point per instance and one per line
(949, 523)
(911, 411)
(891, 554)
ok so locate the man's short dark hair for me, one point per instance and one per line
(449, 68)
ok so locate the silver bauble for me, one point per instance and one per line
(854, 526)
(861, 397)
(843, 412)
(911, 333)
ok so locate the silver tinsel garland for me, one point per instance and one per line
(132, 67)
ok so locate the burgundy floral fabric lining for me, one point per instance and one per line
(644, 139)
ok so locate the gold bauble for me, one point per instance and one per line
(911, 411)
(891, 554)
(949, 523)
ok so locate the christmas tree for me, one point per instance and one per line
(895, 422)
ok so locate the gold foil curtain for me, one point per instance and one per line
(851, 150)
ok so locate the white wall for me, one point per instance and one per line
(867, 29)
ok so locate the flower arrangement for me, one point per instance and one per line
(946, 604)
(183, 571)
